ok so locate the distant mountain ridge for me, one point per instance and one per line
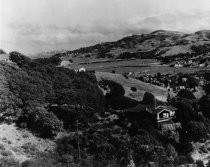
(158, 44)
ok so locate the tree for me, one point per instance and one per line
(200, 163)
(116, 89)
(185, 111)
(186, 94)
(133, 89)
(207, 89)
(204, 103)
(196, 131)
(149, 99)
(192, 82)
(54, 60)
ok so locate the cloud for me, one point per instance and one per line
(39, 25)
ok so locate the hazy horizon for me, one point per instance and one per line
(34, 26)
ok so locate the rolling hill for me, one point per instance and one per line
(158, 44)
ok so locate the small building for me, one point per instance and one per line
(65, 63)
(82, 69)
(164, 113)
(159, 115)
(178, 65)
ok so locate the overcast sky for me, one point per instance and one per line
(32, 26)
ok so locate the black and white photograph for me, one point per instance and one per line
(104, 83)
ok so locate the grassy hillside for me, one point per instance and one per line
(4, 56)
(159, 92)
(158, 44)
(20, 144)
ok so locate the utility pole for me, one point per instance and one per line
(78, 141)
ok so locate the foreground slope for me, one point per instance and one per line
(20, 144)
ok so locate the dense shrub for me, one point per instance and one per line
(146, 148)
(185, 112)
(182, 159)
(205, 105)
(196, 131)
(46, 124)
(19, 58)
(207, 89)
(186, 94)
(115, 95)
(120, 103)
(68, 145)
(149, 99)
(54, 60)
(133, 89)
(41, 84)
(115, 89)
(200, 163)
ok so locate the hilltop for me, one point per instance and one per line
(158, 44)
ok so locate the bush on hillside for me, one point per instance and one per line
(39, 120)
(116, 89)
(120, 103)
(205, 106)
(207, 89)
(183, 160)
(146, 148)
(49, 84)
(19, 58)
(185, 112)
(133, 89)
(115, 95)
(149, 99)
(196, 131)
(68, 145)
(70, 114)
(54, 60)
(200, 163)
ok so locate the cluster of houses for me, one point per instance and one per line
(172, 82)
(183, 63)
(192, 63)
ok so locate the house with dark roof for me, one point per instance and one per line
(160, 114)
(163, 113)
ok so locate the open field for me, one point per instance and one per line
(145, 66)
